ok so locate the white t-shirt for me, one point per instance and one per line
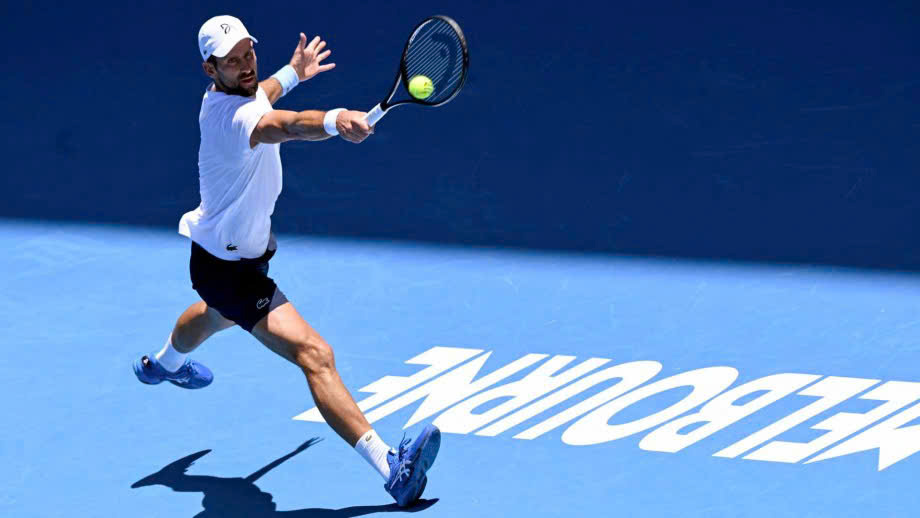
(239, 185)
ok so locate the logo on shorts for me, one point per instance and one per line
(262, 303)
(231, 248)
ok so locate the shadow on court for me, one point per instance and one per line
(241, 498)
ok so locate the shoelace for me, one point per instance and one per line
(184, 374)
(403, 468)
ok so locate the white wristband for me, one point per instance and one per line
(288, 78)
(329, 121)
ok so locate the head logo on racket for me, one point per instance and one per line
(436, 49)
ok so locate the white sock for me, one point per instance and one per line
(169, 357)
(374, 450)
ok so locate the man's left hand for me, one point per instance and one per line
(307, 59)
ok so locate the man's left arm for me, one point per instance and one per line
(305, 63)
(272, 89)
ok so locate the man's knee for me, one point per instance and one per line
(313, 355)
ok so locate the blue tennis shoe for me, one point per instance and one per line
(409, 465)
(191, 375)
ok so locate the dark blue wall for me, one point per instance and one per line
(752, 132)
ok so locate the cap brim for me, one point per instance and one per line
(228, 45)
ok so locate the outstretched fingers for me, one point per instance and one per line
(313, 43)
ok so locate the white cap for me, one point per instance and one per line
(219, 35)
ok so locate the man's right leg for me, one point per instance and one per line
(286, 333)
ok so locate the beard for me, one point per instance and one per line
(239, 89)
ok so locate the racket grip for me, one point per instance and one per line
(374, 115)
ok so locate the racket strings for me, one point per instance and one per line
(436, 51)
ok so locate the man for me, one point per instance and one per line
(239, 168)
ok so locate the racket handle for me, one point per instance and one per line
(374, 115)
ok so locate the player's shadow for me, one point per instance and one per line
(241, 497)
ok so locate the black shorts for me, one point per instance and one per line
(240, 290)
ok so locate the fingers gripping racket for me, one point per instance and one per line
(436, 49)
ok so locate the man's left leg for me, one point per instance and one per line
(195, 325)
(172, 364)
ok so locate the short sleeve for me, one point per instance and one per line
(247, 116)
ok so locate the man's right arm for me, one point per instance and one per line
(283, 125)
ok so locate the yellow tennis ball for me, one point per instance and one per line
(420, 87)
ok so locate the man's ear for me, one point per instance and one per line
(209, 69)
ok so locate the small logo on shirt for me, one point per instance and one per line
(231, 248)
(262, 303)
(225, 27)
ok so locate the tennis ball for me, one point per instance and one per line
(420, 87)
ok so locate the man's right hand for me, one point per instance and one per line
(352, 126)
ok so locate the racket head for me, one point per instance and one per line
(436, 49)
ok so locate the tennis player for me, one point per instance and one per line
(239, 170)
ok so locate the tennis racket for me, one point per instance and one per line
(435, 49)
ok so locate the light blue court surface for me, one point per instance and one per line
(81, 302)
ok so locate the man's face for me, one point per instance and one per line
(236, 73)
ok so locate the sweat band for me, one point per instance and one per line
(329, 121)
(288, 79)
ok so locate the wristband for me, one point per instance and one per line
(329, 121)
(288, 79)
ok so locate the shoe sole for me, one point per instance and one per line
(421, 490)
(187, 386)
(427, 452)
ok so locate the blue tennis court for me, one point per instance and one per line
(407, 316)
(653, 260)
